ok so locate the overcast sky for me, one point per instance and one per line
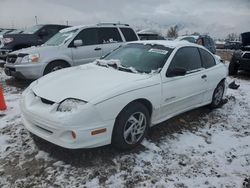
(216, 17)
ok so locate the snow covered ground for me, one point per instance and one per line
(201, 148)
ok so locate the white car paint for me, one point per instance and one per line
(106, 92)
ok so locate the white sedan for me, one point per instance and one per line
(117, 99)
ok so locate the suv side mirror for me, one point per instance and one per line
(176, 72)
(78, 43)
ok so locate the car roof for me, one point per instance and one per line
(167, 43)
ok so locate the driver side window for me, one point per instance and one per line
(187, 58)
(88, 36)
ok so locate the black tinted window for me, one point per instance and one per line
(109, 35)
(187, 58)
(88, 36)
(129, 34)
(207, 59)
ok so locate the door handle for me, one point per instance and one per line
(97, 48)
(204, 76)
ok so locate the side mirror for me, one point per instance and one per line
(176, 72)
(78, 43)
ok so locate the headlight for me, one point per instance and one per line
(7, 40)
(69, 105)
(32, 58)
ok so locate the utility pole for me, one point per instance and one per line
(36, 19)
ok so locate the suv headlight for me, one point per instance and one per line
(69, 105)
(7, 40)
(31, 58)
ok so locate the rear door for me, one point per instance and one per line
(109, 38)
(90, 49)
(180, 93)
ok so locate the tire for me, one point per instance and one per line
(218, 95)
(131, 126)
(54, 66)
(233, 67)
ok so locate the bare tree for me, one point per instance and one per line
(172, 32)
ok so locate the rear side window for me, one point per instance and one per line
(207, 59)
(88, 36)
(187, 58)
(129, 34)
(109, 35)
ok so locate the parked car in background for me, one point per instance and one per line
(220, 44)
(3, 32)
(203, 40)
(116, 99)
(149, 35)
(233, 45)
(70, 47)
(241, 58)
(34, 36)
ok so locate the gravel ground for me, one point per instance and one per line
(201, 148)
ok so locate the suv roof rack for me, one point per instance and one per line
(115, 24)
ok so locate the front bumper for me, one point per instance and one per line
(24, 71)
(58, 132)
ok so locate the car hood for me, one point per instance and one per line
(21, 37)
(36, 49)
(245, 37)
(86, 82)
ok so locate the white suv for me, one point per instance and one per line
(70, 47)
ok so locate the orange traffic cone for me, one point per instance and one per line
(2, 101)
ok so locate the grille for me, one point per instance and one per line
(246, 56)
(11, 58)
(45, 101)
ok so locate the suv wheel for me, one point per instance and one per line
(54, 66)
(131, 126)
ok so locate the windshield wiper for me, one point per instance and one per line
(116, 64)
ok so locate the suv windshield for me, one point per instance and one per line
(32, 30)
(143, 58)
(61, 38)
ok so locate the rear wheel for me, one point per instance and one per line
(233, 67)
(54, 66)
(218, 95)
(131, 126)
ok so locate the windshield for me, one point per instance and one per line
(32, 30)
(17, 31)
(4, 32)
(61, 38)
(142, 58)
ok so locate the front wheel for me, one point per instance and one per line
(131, 126)
(218, 95)
(54, 66)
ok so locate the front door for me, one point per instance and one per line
(90, 49)
(180, 93)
